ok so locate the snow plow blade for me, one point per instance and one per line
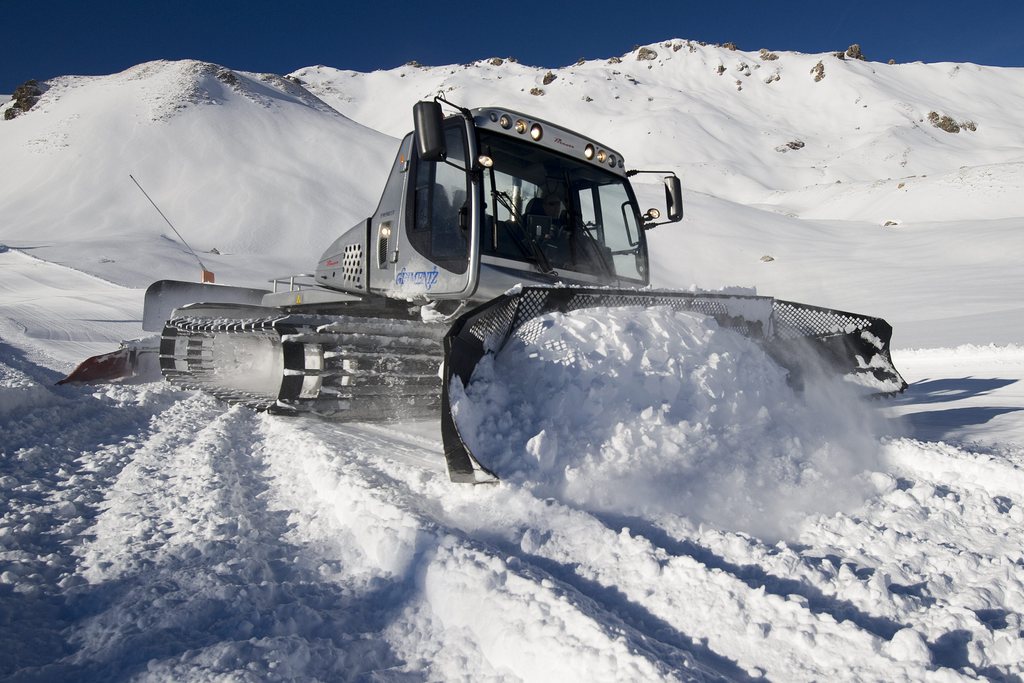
(136, 360)
(105, 367)
(798, 337)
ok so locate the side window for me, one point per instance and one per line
(620, 234)
(440, 206)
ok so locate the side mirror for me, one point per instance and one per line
(428, 121)
(674, 198)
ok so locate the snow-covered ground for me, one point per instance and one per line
(695, 519)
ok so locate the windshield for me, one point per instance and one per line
(559, 213)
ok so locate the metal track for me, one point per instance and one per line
(348, 367)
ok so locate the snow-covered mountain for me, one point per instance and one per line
(739, 125)
(299, 172)
(697, 521)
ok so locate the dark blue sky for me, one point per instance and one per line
(46, 38)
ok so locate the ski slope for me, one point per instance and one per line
(695, 520)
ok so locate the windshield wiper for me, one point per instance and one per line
(531, 246)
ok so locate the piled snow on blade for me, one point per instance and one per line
(641, 411)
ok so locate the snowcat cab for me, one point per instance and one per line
(463, 215)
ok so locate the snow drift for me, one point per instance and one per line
(647, 411)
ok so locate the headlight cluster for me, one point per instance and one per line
(521, 126)
(536, 130)
(602, 157)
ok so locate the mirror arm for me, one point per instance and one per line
(673, 196)
(466, 113)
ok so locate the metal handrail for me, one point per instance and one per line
(292, 284)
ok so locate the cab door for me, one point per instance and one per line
(438, 256)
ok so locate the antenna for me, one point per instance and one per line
(207, 274)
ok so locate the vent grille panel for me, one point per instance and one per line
(352, 266)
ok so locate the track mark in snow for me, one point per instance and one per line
(735, 621)
(997, 472)
(59, 453)
(776, 607)
(511, 618)
(191, 574)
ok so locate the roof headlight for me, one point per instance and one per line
(588, 152)
(536, 132)
(611, 161)
(601, 156)
(505, 121)
(520, 126)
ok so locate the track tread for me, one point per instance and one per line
(352, 368)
